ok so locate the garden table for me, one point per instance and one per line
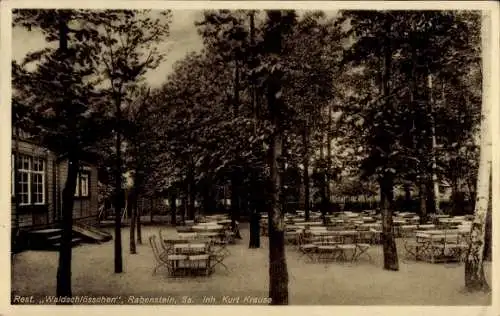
(426, 227)
(317, 228)
(345, 235)
(371, 225)
(436, 243)
(441, 216)
(208, 234)
(189, 236)
(206, 227)
(320, 233)
(399, 221)
(312, 223)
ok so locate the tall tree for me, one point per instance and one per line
(278, 24)
(65, 106)
(129, 40)
(368, 27)
(254, 241)
(143, 144)
(475, 279)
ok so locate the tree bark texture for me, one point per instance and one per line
(388, 242)
(475, 279)
(235, 196)
(139, 228)
(423, 201)
(386, 181)
(173, 208)
(255, 197)
(278, 273)
(191, 196)
(133, 219)
(65, 250)
(118, 191)
(307, 194)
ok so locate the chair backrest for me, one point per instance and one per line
(154, 247)
(166, 246)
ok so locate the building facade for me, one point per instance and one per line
(41, 179)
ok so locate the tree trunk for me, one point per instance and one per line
(278, 271)
(236, 178)
(328, 154)
(236, 172)
(118, 193)
(133, 218)
(434, 178)
(191, 193)
(431, 197)
(255, 205)
(456, 198)
(386, 181)
(254, 241)
(388, 242)
(65, 250)
(475, 279)
(139, 228)
(208, 198)
(488, 235)
(407, 188)
(151, 210)
(173, 208)
(184, 208)
(307, 192)
(278, 274)
(423, 201)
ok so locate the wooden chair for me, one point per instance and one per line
(307, 247)
(361, 249)
(196, 262)
(169, 261)
(167, 246)
(218, 253)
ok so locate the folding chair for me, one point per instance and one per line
(307, 247)
(344, 247)
(168, 261)
(167, 246)
(361, 249)
(217, 256)
(195, 262)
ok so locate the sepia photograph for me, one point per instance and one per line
(235, 156)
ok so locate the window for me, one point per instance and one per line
(82, 185)
(31, 180)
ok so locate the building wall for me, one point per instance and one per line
(83, 207)
(43, 214)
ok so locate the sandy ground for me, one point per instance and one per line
(334, 283)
